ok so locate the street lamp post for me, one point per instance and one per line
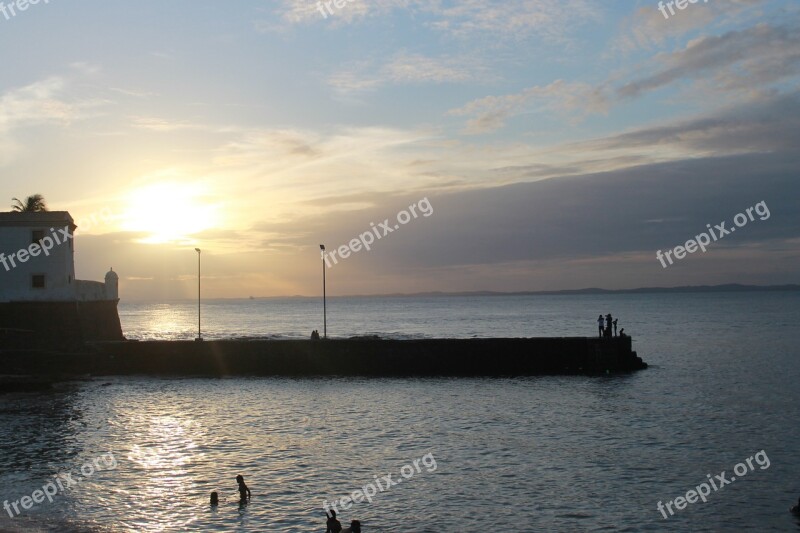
(324, 296)
(199, 336)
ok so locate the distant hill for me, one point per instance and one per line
(731, 287)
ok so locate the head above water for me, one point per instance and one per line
(214, 498)
(355, 526)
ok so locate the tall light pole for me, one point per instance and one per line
(324, 296)
(199, 336)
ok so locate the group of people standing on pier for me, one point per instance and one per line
(607, 324)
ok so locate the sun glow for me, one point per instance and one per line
(169, 213)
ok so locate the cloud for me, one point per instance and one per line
(407, 69)
(491, 113)
(163, 125)
(511, 19)
(550, 21)
(85, 68)
(41, 102)
(697, 169)
(36, 103)
(602, 214)
(747, 64)
(749, 58)
(609, 204)
(764, 125)
(647, 27)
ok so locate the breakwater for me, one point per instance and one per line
(349, 357)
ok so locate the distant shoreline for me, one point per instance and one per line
(727, 288)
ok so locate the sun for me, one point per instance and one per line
(168, 213)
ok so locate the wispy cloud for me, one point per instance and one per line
(491, 113)
(510, 19)
(749, 58)
(41, 102)
(408, 68)
(647, 28)
(160, 124)
(36, 103)
(739, 65)
(550, 21)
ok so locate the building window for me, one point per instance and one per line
(37, 236)
(37, 281)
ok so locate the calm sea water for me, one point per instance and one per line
(511, 455)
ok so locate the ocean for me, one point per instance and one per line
(570, 453)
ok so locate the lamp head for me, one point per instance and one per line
(322, 247)
(197, 250)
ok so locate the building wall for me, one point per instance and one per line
(90, 290)
(58, 324)
(58, 267)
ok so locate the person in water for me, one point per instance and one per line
(600, 323)
(244, 492)
(355, 527)
(214, 498)
(333, 525)
(796, 508)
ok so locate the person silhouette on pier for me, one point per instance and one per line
(600, 324)
(622, 333)
(615, 326)
(609, 320)
(244, 492)
(333, 525)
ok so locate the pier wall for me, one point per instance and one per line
(350, 357)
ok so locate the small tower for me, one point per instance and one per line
(112, 285)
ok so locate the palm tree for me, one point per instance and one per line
(33, 203)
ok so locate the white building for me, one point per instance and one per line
(37, 261)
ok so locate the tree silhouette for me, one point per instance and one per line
(33, 204)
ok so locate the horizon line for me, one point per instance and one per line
(725, 287)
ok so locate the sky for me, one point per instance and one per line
(543, 144)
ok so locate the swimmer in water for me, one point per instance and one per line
(355, 527)
(332, 525)
(244, 492)
(214, 498)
